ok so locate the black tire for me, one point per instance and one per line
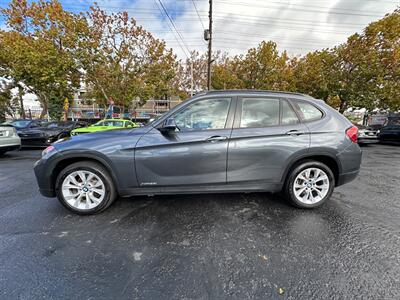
(289, 191)
(101, 172)
(2, 152)
(62, 135)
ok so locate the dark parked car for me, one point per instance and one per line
(366, 135)
(23, 124)
(219, 141)
(45, 135)
(389, 133)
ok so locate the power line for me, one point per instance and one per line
(246, 47)
(299, 9)
(263, 24)
(288, 20)
(195, 8)
(173, 25)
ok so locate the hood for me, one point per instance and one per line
(103, 139)
(40, 131)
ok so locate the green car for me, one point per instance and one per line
(103, 125)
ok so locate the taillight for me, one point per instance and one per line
(352, 133)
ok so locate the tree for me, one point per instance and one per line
(123, 61)
(225, 74)
(313, 73)
(196, 66)
(381, 40)
(262, 67)
(6, 100)
(37, 51)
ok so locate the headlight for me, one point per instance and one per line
(48, 150)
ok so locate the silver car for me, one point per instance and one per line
(9, 139)
(219, 141)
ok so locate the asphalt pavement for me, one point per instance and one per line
(220, 246)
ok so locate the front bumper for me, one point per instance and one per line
(37, 141)
(367, 139)
(43, 169)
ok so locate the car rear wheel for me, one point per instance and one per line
(85, 188)
(310, 184)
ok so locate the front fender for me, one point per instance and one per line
(119, 164)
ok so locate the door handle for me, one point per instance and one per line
(216, 138)
(295, 132)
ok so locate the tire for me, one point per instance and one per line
(62, 135)
(319, 190)
(100, 176)
(2, 152)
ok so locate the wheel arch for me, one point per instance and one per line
(69, 159)
(328, 159)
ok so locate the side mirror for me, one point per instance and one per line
(169, 125)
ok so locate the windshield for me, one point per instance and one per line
(59, 124)
(20, 123)
(110, 123)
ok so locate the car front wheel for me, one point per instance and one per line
(85, 188)
(310, 184)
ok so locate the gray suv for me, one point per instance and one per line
(218, 141)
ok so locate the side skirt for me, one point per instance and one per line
(203, 189)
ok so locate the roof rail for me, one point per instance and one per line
(249, 91)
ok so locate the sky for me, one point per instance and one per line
(297, 26)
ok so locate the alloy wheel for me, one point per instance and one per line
(311, 185)
(83, 190)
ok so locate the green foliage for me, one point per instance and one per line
(123, 61)
(363, 72)
(5, 100)
(56, 104)
(49, 52)
(38, 50)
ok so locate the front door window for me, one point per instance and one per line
(204, 115)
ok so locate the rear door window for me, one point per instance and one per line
(259, 112)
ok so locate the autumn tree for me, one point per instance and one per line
(262, 67)
(193, 66)
(381, 42)
(122, 61)
(226, 74)
(6, 100)
(37, 50)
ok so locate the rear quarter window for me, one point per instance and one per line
(308, 112)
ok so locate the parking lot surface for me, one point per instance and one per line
(220, 246)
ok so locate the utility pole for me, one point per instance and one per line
(209, 36)
(191, 78)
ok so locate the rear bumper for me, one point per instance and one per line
(9, 148)
(10, 143)
(347, 177)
